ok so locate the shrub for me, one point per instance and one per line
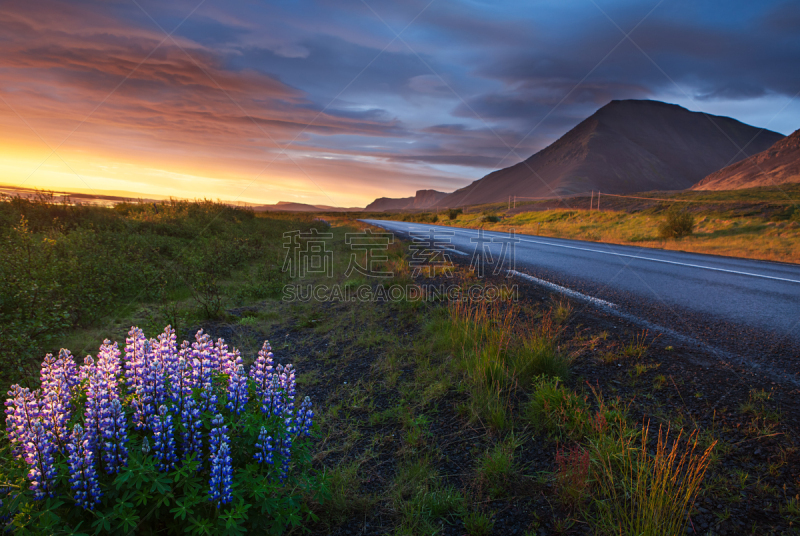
(454, 212)
(163, 439)
(490, 218)
(677, 225)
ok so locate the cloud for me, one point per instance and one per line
(323, 92)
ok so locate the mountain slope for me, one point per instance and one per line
(626, 146)
(777, 165)
(289, 206)
(422, 200)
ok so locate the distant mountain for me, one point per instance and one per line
(626, 146)
(422, 200)
(777, 165)
(288, 206)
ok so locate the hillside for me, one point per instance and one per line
(422, 200)
(289, 206)
(626, 146)
(779, 164)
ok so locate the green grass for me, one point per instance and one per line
(478, 524)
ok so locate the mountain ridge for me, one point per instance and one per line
(779, 164)
(626, 146)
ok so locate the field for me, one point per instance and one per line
(524, 414)
(761, 223)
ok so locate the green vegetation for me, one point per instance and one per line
(434, 416)
(67, 267)
(676, 225)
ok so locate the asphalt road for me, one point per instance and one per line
(748, 305)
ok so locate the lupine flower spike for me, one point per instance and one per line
(264, 448)
(82, 475)
(164, 440)
(221, 470)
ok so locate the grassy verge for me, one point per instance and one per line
(521, 416)
(759, 223)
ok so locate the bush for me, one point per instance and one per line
(454, 212)
(165, 439)
(490, 218)
(677, 225)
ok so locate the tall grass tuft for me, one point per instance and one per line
(646, 494)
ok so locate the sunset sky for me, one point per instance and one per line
(340, 102)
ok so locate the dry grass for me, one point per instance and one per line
(748, 237)
(644, 493)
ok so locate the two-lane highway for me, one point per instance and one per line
(686, 291)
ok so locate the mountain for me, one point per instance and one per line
(422, 200)
(777, 165)
(289, 206)
(626, 146)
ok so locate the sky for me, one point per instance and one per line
(338, 102)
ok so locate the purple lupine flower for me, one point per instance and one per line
(192, 434)
(264, 448)
(272, 401)
(145, 446)
(168, 350)
(55, 418)
(134, 358)
(22, 411)
(83, 476)
(237, 391)
(288, 386)
(261, 371)
(164, 440)
(155, 381)
(57, 395)
(221, 470)
(96, 397)
(221, 475)
(69, 370)
(115, 438)
(108, 364)
(105, 421)
(221, 358)
(180, 385)
(235, 360)
(150, 389)
(204, 365)
(286, 448)
(304, 417)
(140, 381)
(39, 449)
(218, 429)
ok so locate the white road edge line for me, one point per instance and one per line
(564, 290)
(644, 258)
